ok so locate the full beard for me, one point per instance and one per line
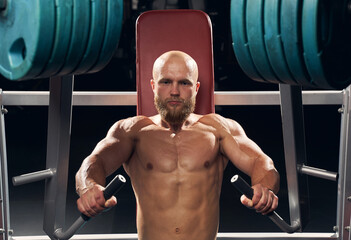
(172, 115)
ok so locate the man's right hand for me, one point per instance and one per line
(92, 202)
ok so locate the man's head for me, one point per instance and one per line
(175, 86)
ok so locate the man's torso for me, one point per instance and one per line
(177, 180)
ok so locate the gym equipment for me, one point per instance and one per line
(326, 42)
(241, 48)
(63, 26)
(79, 36)
(292, 41)
(57, 38)
(112, 34)
(240, 184)
(255, 39)
(28, 37)
(274, 43)
(185, 30)
(96, 36)
(306, 42)
(111, 189)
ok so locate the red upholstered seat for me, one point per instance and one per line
(160, 31)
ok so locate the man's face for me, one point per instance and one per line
(175, 88)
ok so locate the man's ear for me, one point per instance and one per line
(197, 86)
(152, 83)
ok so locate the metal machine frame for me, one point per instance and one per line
(290, 98)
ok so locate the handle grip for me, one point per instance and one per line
(112, 188)
(240, 184)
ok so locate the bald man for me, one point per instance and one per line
(175, 160)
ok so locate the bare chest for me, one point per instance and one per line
(189, 150)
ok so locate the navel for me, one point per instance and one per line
(207, 164)
(149, 166)
(177, 230)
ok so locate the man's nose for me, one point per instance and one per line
(175, 89)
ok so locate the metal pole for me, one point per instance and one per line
(295, 151)
(4, 177)
(58, 146)
(344, 183)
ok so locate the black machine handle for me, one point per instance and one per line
(240, 184)
(111, 189)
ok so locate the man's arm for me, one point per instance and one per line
(108, 155)
(249, 158)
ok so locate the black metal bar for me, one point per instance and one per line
(58, 147)
(240, 184)
(111, 189)
(295, 152)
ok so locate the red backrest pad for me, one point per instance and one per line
(160, 31)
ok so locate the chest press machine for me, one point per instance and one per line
(271, 56)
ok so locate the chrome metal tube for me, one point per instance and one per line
(317, 172)
(33, 177)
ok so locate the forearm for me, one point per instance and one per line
(264, 173)
(90, 173)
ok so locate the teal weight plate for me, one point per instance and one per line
(112, 34)
(273, 43)
(96, 36)
(62, 38)
(240, 44)
(27, 30)
(313, 49)
(327, 40)
(291, 36)
(79, 36)
(255, 37)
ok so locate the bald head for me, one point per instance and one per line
(177, 59)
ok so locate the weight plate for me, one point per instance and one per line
(240, 44)
(327, 48)
(79, 36)
(312, 45)
(96, 36)
(62, 38)
(255, 37)
(273, 41)
(27, 30)
(290, 21)
(112, 33)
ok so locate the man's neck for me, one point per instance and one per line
(176, 127)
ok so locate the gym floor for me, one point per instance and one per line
(26, 133)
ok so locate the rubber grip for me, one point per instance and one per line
(240, 184)
(114, 186)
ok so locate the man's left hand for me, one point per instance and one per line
(263, 201)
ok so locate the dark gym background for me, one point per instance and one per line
(26, 133)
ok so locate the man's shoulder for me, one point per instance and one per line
(132, 123)
(219, 122)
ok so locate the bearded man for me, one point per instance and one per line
(175, 160)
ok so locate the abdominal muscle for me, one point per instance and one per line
(178, 204)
